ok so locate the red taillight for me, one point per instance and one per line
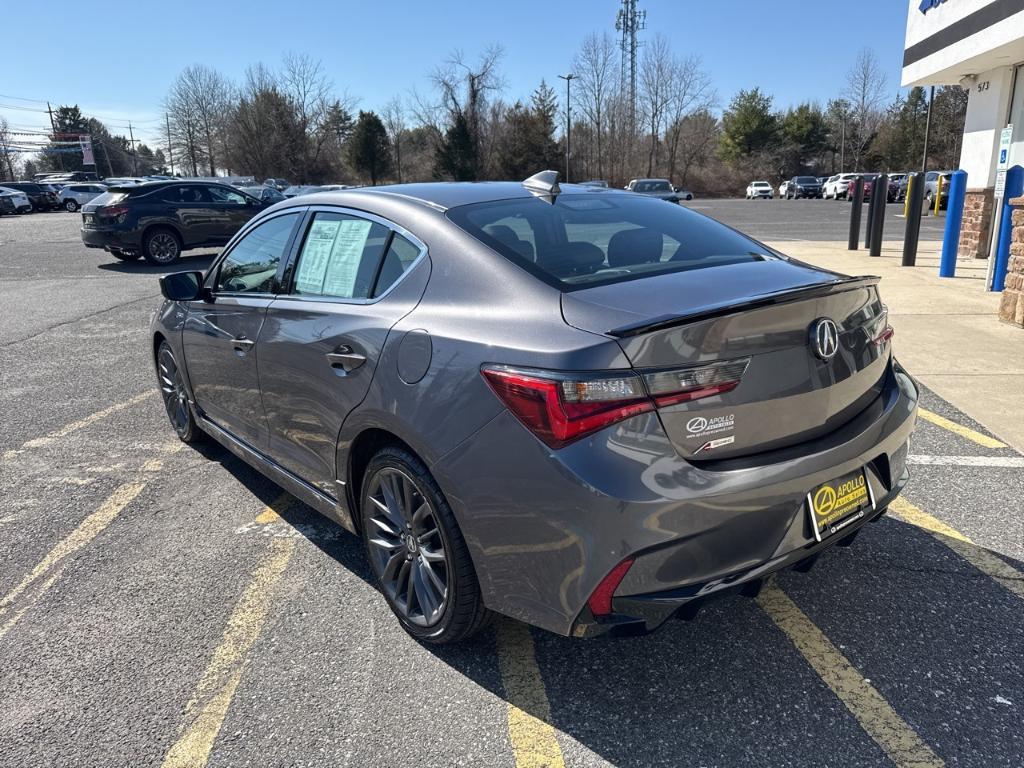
(600, 601)
(560, 410)
(884, 336)
(118, 212)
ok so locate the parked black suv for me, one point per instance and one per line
(803, 186)
(42, 198)
(161, 219)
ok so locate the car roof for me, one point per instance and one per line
(442, 195)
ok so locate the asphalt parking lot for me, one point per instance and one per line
(161, 606)
(809, 219)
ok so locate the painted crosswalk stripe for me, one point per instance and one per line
(529, 712)
(988, 563)
(875, 715)
(209, 704)
(960, 429)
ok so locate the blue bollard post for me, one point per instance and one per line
(954, 215)
(1014, 188)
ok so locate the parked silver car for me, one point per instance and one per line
(73, 196)
(20, 202)
(570, 405)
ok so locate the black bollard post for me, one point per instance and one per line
(880, 198)
(916, 192)
(855, 205)
(871, 218)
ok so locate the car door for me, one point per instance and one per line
(221, 330)
(354, 277)
(190, 206)
(231, 211)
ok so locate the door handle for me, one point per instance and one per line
(242, 344)
(345, 358)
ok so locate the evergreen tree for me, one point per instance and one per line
(749, 126)
(369, 150)
(457, 152)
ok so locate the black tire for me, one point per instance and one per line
(175, 396)
(70, 206)
(390, 548)
(161, 246)
(122, 256)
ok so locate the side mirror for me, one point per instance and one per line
(182, 286)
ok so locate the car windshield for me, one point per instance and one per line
(579, 241)
(806, 180)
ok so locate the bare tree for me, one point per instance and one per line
(394, 116)
(5, 150)
(865, 90)
(198, 106)
(657, 72)
(596, 69)
(697, 134)
(691, 94)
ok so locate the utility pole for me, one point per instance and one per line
(842, 147)
(630, 21)
(135, 155)
(927, 130)
(53, 134)
(568, 122)
(170, 153)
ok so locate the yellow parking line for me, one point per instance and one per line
(86, 531)
(209, 704)
(74, 426)
(991, 565)
(960, 429)
(529, 713)
(875, 715)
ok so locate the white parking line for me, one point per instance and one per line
(969, 461)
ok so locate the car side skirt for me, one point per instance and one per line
(295, 485)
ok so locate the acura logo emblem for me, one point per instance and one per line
(824, 338)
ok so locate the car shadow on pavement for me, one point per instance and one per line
(930, 632)
(187, 263)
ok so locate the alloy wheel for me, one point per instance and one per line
(407, 550)
(172, 389)
(163, 248)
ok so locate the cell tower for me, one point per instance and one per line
(628, 22)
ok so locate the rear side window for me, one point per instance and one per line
(110, 198)
(340, 257)
(583, 240)
(185, 193)
(251, 266)
(399, 257)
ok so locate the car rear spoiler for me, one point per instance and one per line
(756, 302)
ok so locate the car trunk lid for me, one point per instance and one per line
(763, 314)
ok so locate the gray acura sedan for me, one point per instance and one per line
(575, 406)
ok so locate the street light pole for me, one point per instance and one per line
(568, 122)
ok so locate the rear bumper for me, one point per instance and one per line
(545, 527)
(108, 238)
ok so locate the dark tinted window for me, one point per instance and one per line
(806, 180)
(185, 193)
(399, 257)
(252, 264)
(340, 257)
(221, 195)
(584, 240)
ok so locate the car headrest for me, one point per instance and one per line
(575, 258)
(507, 236)
(634, 246)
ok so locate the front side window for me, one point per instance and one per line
(226, 196)
(340, 257)
(251, 266)
(583, 240)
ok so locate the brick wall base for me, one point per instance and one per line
(978, 205)
(1011, 305)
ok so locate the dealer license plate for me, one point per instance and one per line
(839, 503)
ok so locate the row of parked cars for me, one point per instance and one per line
(841, 187)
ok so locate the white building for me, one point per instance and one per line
(978, 44)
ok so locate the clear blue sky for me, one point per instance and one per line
(123, 57)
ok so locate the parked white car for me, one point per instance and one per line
(756, 189)
(836, 186)
(21, 202)
(783, 189)
(77, 194)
